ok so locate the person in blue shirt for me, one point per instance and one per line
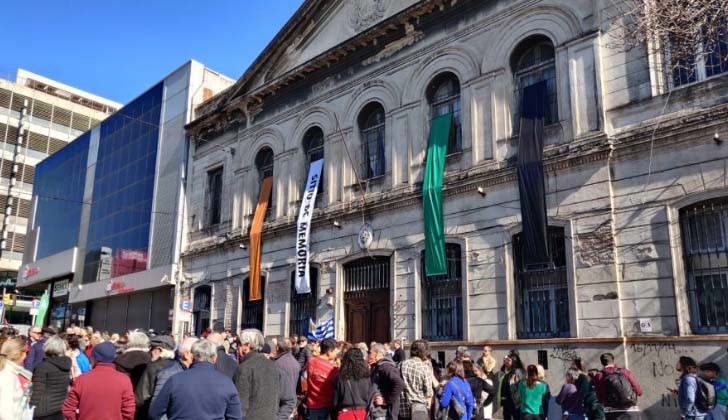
(457, 388)
(687, 393)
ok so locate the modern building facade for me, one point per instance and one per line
(106, 225)
(55, 114)
(634, 159)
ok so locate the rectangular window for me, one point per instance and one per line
(442, 299)
(252, 310)
(214, 196)
(542, 305)
(704, 229)
(710, 59)
(303, 306)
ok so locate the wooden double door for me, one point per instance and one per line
(367, 300)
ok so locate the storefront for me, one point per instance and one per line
(127, 311)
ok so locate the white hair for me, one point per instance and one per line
(186, 344)
(138, 340)
(253, 337)
(204, 351)
(55, 347)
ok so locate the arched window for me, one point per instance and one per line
(264, 165)
(443, 94)
(704, 229)
(201, 309)
(372, 129)
(542, 294)
(303, 306)
(252, 310)
(313, 147)
(534, 61)
(442, 299)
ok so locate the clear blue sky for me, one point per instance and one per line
(118, 48)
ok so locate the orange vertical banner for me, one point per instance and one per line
(256, 231)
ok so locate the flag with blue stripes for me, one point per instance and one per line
(322, 330)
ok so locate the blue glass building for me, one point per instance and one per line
(106, 222)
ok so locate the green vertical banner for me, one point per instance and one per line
(42, 310)
(432, 196)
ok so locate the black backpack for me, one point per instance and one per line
(618, 390)
(705, 396)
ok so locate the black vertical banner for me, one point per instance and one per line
(531, 178)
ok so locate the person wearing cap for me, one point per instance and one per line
(181, 363)
(38, 337)
(162, 355)
(103, 393)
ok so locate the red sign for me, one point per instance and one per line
(30, 271)
(128, 261)
(119, 287)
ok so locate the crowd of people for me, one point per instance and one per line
(87, 375)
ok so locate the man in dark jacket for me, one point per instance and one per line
(183, 361)
(103, 393)
(290, 372)
(199, 392)
(51, 379)
(257, 378)
(224, 363)
(387, 380)
(133, 363)
(304, 353)
(162, 355)
(38, 338)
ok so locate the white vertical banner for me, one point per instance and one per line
(303, 228)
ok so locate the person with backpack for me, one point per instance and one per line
(695, 396)
(711, 372)
(617, 389)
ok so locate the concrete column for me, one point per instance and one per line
(583, 87)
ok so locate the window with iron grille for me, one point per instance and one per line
(214, 196)
(366, 274)
(252, 310)
(542, 294)
(534, 61)
(442, 299)
(313, 146)
(264, 163)
(372, 130)
(201, 309)
(704, 229)
(303, 305)
(443, 95)
(711, 59)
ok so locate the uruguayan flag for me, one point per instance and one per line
(322, 330)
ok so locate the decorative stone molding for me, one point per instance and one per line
(365, 13)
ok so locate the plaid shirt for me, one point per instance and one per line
(417, 376)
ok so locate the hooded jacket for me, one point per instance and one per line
(389, 384)
(51, 379)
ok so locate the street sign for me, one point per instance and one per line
(35, 304)
(185, 305)
(2, 306)
(34, 311)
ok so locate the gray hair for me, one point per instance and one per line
(55, 347)
(461, 350)
(253, 337)
(186, 344)
(204, 351)
(284, 344)
(573, 374)
(379, 349)
(138, 340)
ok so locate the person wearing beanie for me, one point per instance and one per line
(102, 393)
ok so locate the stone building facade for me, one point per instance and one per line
(635, 186)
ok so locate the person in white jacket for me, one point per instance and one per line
(15, 381)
